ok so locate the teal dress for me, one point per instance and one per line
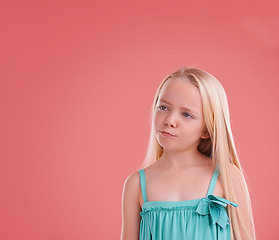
(196, 219)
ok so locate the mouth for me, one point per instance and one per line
(166, 134)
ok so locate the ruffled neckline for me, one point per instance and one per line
(149, 204)
(213, 205)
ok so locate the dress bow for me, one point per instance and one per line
(215, 206)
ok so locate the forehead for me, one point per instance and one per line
(181, 94)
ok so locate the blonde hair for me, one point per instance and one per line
(219, 146)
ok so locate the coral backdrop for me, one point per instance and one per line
(77, 79)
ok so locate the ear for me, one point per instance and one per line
(205, 134)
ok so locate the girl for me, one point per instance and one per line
(192, 185)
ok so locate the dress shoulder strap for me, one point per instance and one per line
(143, 184)
(213, 181)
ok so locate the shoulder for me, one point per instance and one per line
(132, 185)
(237, 175)
(131, 207)
(132, 179)
(238, 181)
(235, 171)
(242, 198)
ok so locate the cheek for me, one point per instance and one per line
(157, 118)
(192, 128)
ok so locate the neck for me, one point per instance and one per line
(185, 159)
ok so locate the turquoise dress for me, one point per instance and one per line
(196, 219)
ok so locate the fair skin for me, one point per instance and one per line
(182, 172)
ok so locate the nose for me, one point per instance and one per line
(170, 121)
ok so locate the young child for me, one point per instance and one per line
(191, 185)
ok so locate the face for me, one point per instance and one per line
(179, 112)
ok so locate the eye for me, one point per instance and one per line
(161, 108)
(188, 115)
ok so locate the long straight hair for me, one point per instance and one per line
(219, 146)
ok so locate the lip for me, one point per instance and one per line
(166, 134)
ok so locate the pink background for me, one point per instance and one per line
(77, 80)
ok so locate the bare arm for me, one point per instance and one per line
(131, 208)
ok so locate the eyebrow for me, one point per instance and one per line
(184, 108)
